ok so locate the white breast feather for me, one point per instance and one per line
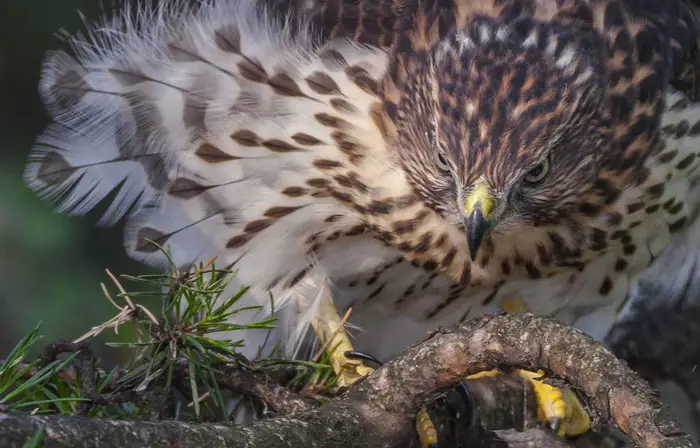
(147, 91)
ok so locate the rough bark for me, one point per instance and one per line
(379, 411)
(280, 399)
(614, 391)
(531, 438)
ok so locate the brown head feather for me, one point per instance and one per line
(484, 92)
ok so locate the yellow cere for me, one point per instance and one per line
(480, 195)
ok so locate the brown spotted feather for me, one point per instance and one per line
(329, 145)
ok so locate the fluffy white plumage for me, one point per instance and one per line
(155, 103)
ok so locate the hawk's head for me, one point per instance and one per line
(502, 126)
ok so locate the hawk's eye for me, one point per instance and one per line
(442, 162)
(538, 173)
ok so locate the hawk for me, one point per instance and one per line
(418, 161)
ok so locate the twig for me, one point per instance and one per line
(85, 366)
(258, 385)
(341, 325)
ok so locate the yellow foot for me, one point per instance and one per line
(330, 329)
(427, 434)
(558, 408)
(513, 304)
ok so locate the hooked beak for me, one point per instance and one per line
(479, 211)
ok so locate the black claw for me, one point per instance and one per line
(465, 392)
(452, 414)
(554, 424)
(468, 398)
(363, 356)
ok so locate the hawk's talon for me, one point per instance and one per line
(554, 425)
(578, 420)
(348, 369)
(354, 354)
(468, 398)
(427, 434)
(347, 362)
(330, 329)
(559, 409)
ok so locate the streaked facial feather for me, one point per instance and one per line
(502, 104)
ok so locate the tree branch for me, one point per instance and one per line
(380, 409)
(280, 399)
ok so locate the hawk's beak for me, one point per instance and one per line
(479, 211)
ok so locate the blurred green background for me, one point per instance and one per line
(50, 264)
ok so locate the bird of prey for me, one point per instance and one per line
(418, 161)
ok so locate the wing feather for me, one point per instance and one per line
(207, 120)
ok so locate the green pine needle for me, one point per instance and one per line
(192, 317)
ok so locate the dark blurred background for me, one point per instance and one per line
(50, 264)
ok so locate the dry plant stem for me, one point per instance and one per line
(85, 365)
(379, 410)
